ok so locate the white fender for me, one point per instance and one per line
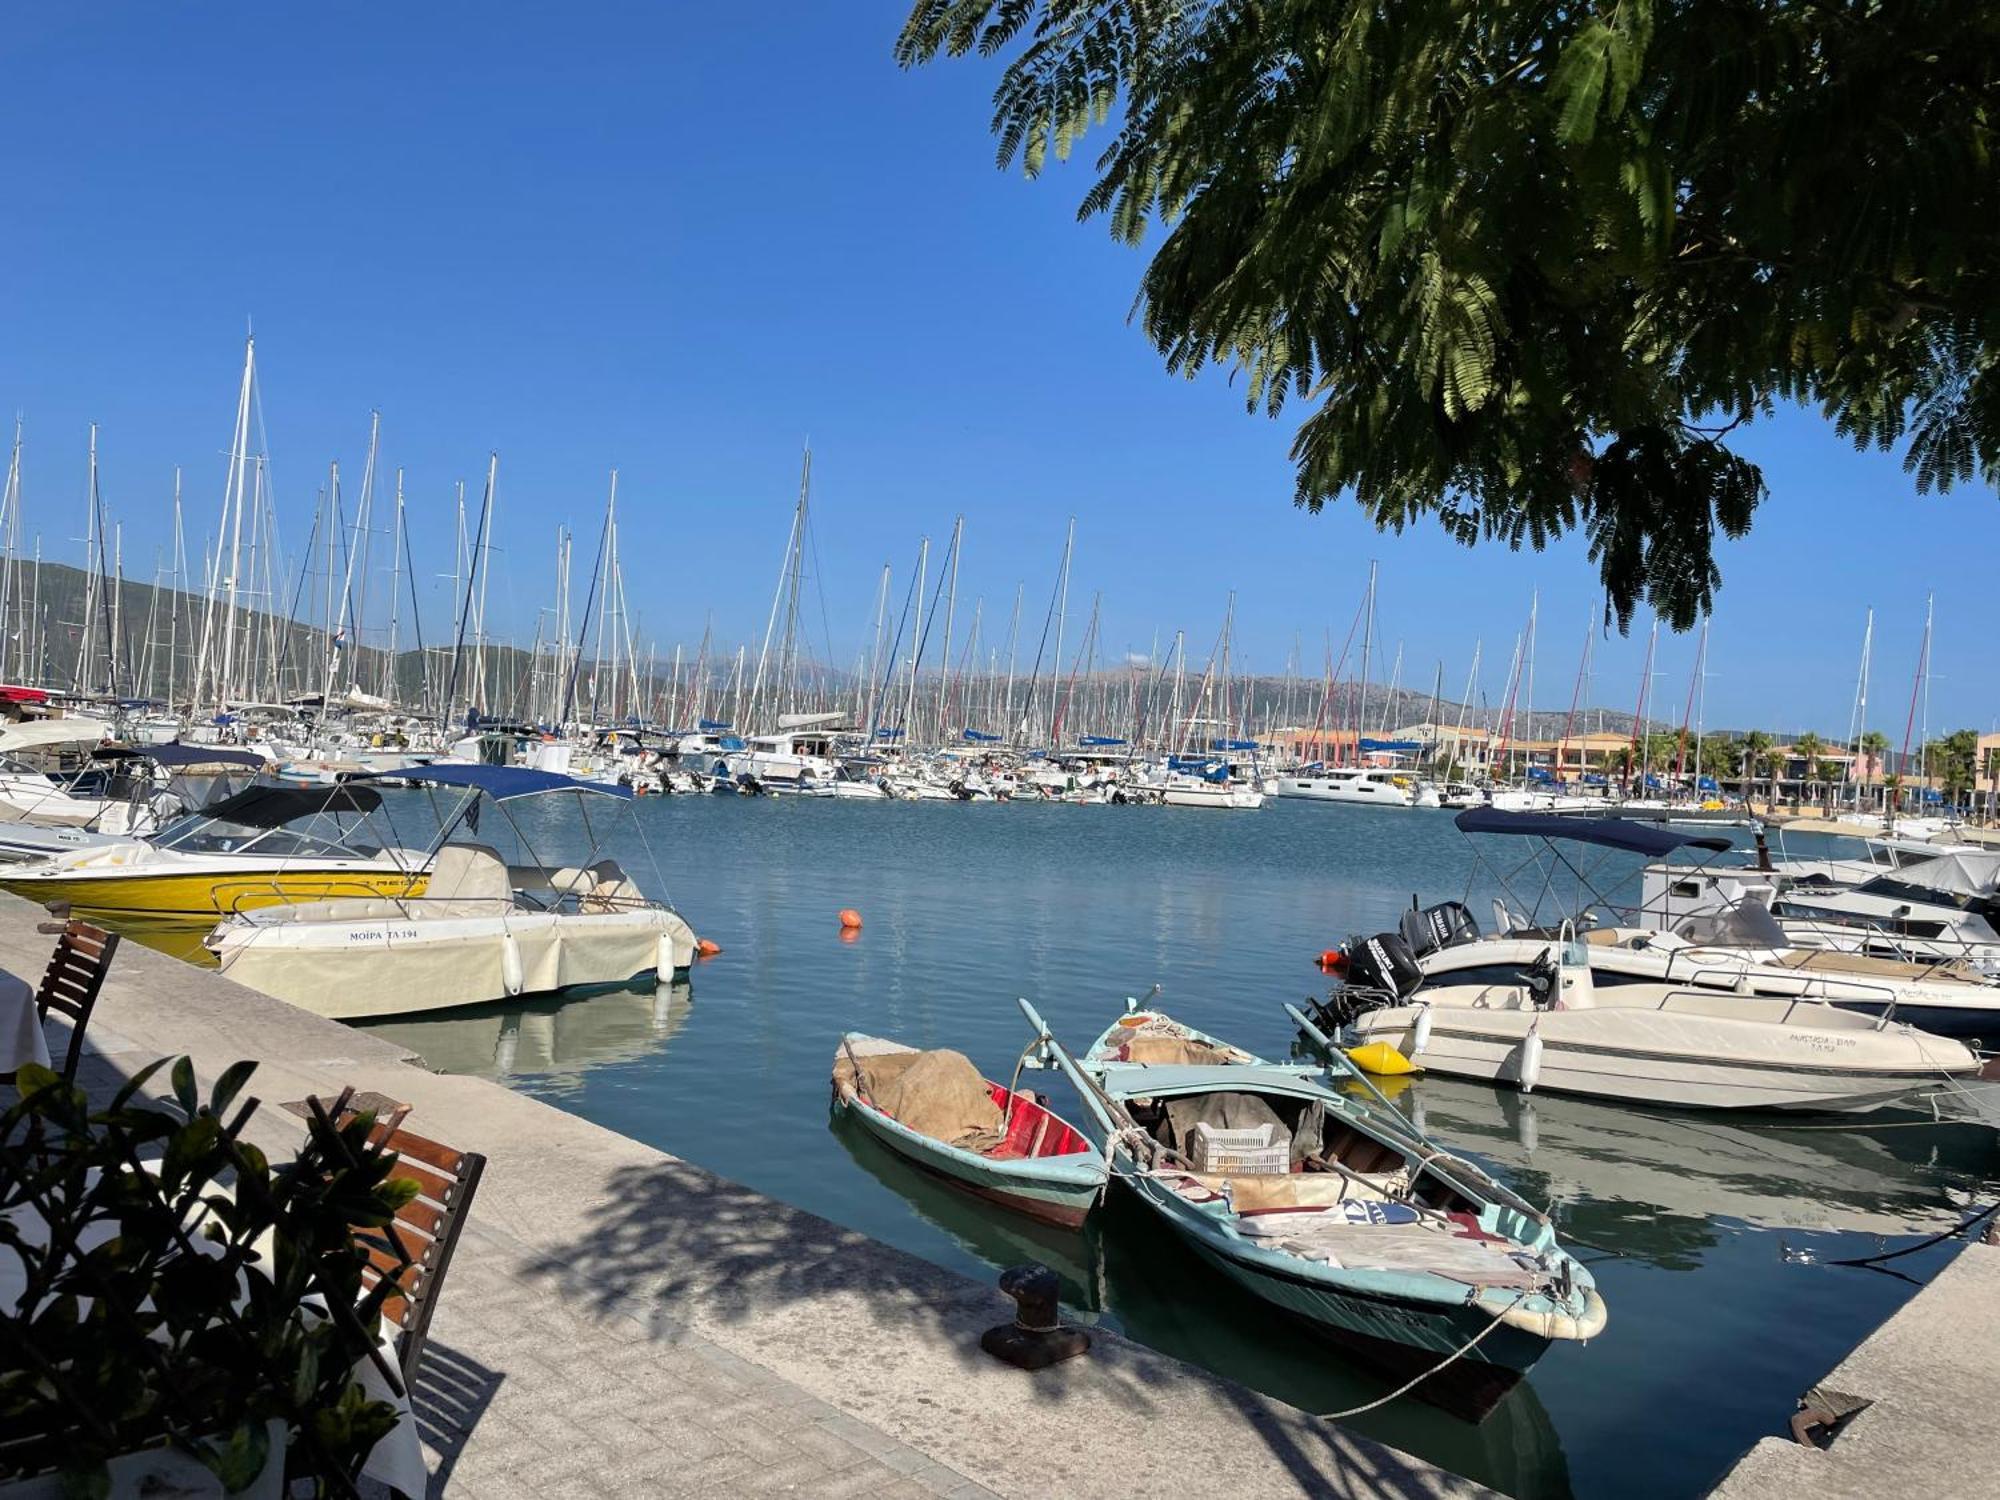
(510, 964)
(663, 957)
(1531, 1059)
(1420, 1037)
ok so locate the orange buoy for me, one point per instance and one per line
(705, 948)
(850, 918)
(1333, 958)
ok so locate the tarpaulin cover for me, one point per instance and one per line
(939, 1094)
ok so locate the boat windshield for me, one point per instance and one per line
(1747, 924)
(281, 823)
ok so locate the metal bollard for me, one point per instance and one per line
(1036, 1338)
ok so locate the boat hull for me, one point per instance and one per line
(174, 911)
(1058, 1189)
(396, 965)
(1648, 1059)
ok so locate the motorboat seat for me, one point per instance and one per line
(608, 890)
(468, 873)
(1445, 925)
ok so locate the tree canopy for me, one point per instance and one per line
(1532, 264)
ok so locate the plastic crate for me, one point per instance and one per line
(1265, 1150)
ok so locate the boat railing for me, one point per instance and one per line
(1695, 990)
(1734, 976)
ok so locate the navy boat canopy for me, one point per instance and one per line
(1100, 739)
(1390, 747)
(980, 736)
(177, 754)
(1606, 833)
(1232, 744)
(498, 782)
(710, 726)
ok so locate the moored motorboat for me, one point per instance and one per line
(266, 846)
(1333, 1210)
(1534, 1018)
(991, 1140)
(482, 929)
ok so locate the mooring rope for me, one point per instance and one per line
(1410, 1385)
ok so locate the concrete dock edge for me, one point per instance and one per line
(618, 1321)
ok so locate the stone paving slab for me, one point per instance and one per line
(619, 1322)
(1931, 1373)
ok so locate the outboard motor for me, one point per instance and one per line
(1445, 925)
(1384, 965)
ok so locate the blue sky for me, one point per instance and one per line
(680, 240)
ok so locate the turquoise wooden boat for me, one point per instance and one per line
(1371, 1232)
(1041, 1165)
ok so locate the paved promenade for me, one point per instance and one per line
(1931, 1373)
(618, 1322)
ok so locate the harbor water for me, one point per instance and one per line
(1712, 1238)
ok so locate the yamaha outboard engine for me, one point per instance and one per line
(1445, 925)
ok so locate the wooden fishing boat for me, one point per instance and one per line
(1335, 1210)
(997, 1143)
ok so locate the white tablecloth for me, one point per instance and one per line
(21, 1039)
(398, 1459)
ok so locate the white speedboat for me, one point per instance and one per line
(1697, 925)
(478, 928)
(1543, 1023)
(1380, 788)
(1628, 1013)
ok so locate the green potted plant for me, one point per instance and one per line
(175, 1297)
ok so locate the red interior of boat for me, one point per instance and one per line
(1032, 1130)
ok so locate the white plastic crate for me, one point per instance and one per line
(1266, 1149)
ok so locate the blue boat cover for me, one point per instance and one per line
(1706, 784)
(1606, 833)
(501, 783)
(980, 736)
(1236, 744)
(886, 733)
(1100, 739)
(709, 726)
(1540, 773)
(1390, 747)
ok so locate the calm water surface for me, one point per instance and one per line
(1709, 1238)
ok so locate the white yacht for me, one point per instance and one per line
(1382, 788)
(800, 758)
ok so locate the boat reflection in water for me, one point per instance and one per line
(556, 1036)
(1661, 1187)
(1120, 1270)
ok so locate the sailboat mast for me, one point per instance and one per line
(950, 615)
(1367, 650)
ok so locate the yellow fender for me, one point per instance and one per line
(1381, 1059)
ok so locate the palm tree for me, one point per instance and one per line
(1807, 748)
(1875, 745)
(1993, 782)
(1756, 748)
(1619, 763)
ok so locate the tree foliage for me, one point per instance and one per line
(1531, 264)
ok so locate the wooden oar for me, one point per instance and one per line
(860, 1084)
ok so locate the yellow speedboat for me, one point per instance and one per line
(267, 846)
